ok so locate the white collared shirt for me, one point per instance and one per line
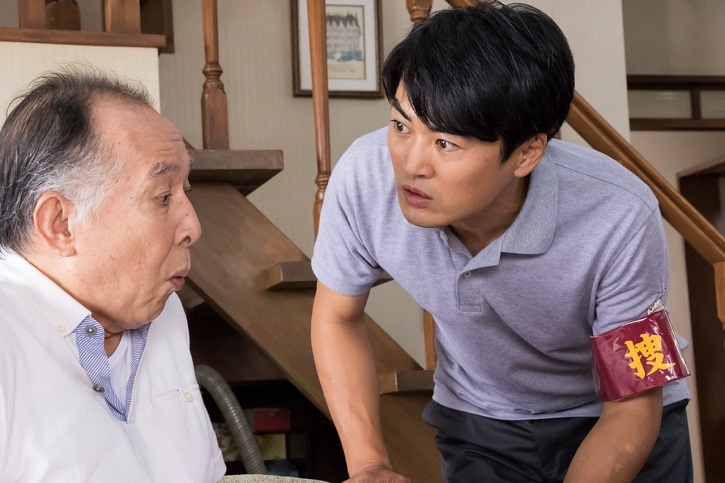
(55, 427)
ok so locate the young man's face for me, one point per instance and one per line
(446, 180)
(135, 253)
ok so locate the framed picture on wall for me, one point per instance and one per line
(354, 48)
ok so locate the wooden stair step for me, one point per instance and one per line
(245, 169)
(295, 275)
(405, 382)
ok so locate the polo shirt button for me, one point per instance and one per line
(188, 397)
(98, 388)
(466, 274)
(60, 328)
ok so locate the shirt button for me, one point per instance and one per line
(188, 397)
(98, 388)
(60, 328)
(90, 330)
(466, 274)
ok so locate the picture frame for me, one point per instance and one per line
(354, 65)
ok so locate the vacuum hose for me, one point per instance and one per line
(224, 398)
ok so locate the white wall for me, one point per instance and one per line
(23, 62)
(674, 36)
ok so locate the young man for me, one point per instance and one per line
(544, 265)
(96, 378)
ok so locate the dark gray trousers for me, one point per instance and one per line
(479, 449)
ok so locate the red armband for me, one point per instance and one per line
(640, 355)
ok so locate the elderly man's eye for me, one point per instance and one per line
(164, 200)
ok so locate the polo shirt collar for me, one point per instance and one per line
(46, 299)
(532, 232)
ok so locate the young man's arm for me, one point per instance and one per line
(346, 368)
(618, 445)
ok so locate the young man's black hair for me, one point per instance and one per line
(489, 72)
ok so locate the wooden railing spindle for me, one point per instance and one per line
(320, 101)
(418, 9)
(32, 14)
(214, 117)
(122, 16)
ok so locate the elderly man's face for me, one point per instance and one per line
(135, 253)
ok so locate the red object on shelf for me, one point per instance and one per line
(269, 420)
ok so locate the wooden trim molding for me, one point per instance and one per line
(75, 37)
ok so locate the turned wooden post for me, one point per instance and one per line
(318, 59)
(31, 14)
(418, 9)
(214, 117)
(122, 16)
(62, 15)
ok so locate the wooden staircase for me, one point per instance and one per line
(229, 261)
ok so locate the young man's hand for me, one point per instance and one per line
(377, 474)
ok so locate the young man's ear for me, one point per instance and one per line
(529, 154)
(51, 220)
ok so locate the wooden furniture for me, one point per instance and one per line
(122, 26)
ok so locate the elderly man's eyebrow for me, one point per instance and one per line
(161, 168)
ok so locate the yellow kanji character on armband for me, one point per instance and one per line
(651, 349)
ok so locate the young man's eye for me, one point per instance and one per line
(445, 145)
(398, 126)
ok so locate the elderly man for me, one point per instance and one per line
(96, 378)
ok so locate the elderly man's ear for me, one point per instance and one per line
(51, 218)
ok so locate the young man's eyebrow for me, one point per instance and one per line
(396, 105)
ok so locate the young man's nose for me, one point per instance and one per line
(416, 161)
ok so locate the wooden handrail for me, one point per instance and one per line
(693, 227)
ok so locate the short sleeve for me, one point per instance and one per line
(341, 260)
(636, 278)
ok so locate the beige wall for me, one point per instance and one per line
(674, 36)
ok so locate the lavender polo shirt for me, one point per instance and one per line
(586, 253)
